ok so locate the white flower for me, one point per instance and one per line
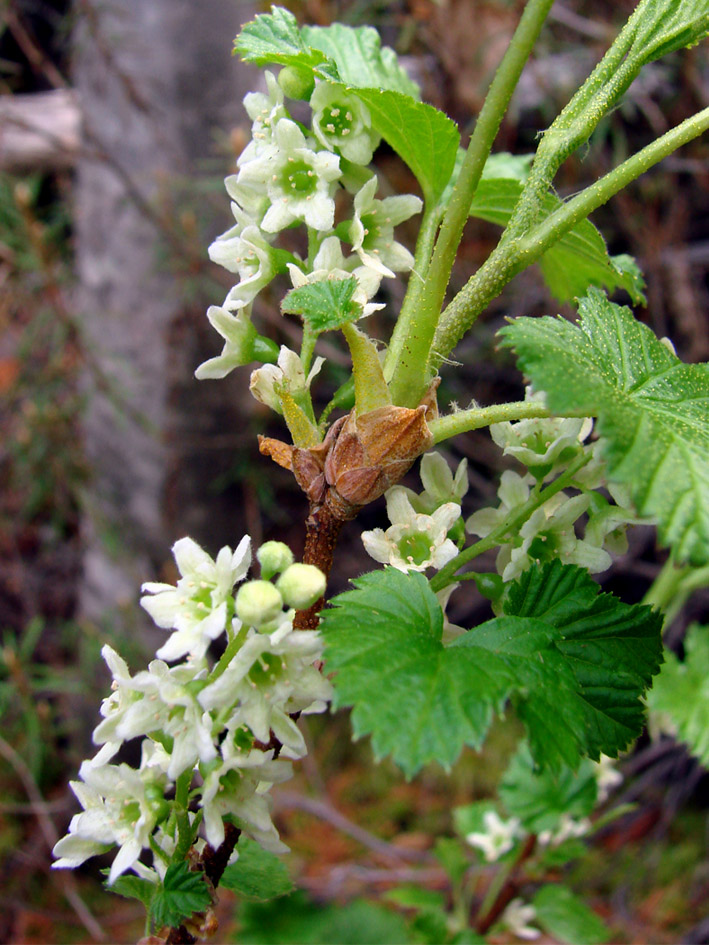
(271, 677)
(498, 838)
(237, 786)
(117, 812)
(330, 263)
(341, 122)
(439, 484)
(265, 111)
(372, 229)
(568, 829)
(248, 254)
(199, 606)
(517, 917)
(289, 375)
(238, 334)
(159, 700)
(298, 181)
(541, 441)
(414, 541)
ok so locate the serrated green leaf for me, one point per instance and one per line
(275, 38)
(182, 893)
(653, 410)
(574, 661)
(424, 138)
(257, 874)
(539, 798)
(133, 887)
(324, 305)
(613, 649)
(579, 260)
(567, 918)
(360, 60)
(679, 698)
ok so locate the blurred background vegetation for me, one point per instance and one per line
(118, 121)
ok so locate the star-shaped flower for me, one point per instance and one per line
(372, 229)
(341, 122)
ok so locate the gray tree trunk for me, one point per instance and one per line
(157, 85)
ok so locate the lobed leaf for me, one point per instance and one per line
(664, 26)
(183, 893)
(653, 410)
(573, 661)
(324, 305)
(275, 39)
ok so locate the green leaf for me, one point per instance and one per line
(324, 305)
(425, 138)
(295, 919)
(539, 799)
(567, 918)
(680, 697)
(133, 887)
(612, 648)
(183, 893)
(575, 662)
(257, 874)
(664, 26)
(275, 38)
(450, 854)
(359, 58)
(579, 260)
(653, 410)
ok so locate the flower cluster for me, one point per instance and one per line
(547, 446)
(287, 176)
(207, 730)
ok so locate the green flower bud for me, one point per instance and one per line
(155, 796)
(258, 602)
(301, 585)
(296, 83)
(274, 557)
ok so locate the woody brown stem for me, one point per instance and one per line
(322, 529)
(509, 888)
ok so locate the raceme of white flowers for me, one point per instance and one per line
(289, 176)
(205, 727)
(546, 446)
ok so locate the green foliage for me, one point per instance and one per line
(680, 695)
(580, 259)
(298, 920)
(539, 798)
(337, 53)
(257, 874)
(425, 138)
(664, 26)
(183, 892)
(653, 410)
(133, 887)
(324, 305)
(574, 661)
(360, 60)
(567, 918)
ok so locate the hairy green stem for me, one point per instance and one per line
(672, 587)
(417, 279)
(511, 257)
(513, 522)
(408, 381)
(462, 421)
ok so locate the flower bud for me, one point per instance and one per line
(258, 602)
(296, 83)
(301, 585)
(274, 557)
